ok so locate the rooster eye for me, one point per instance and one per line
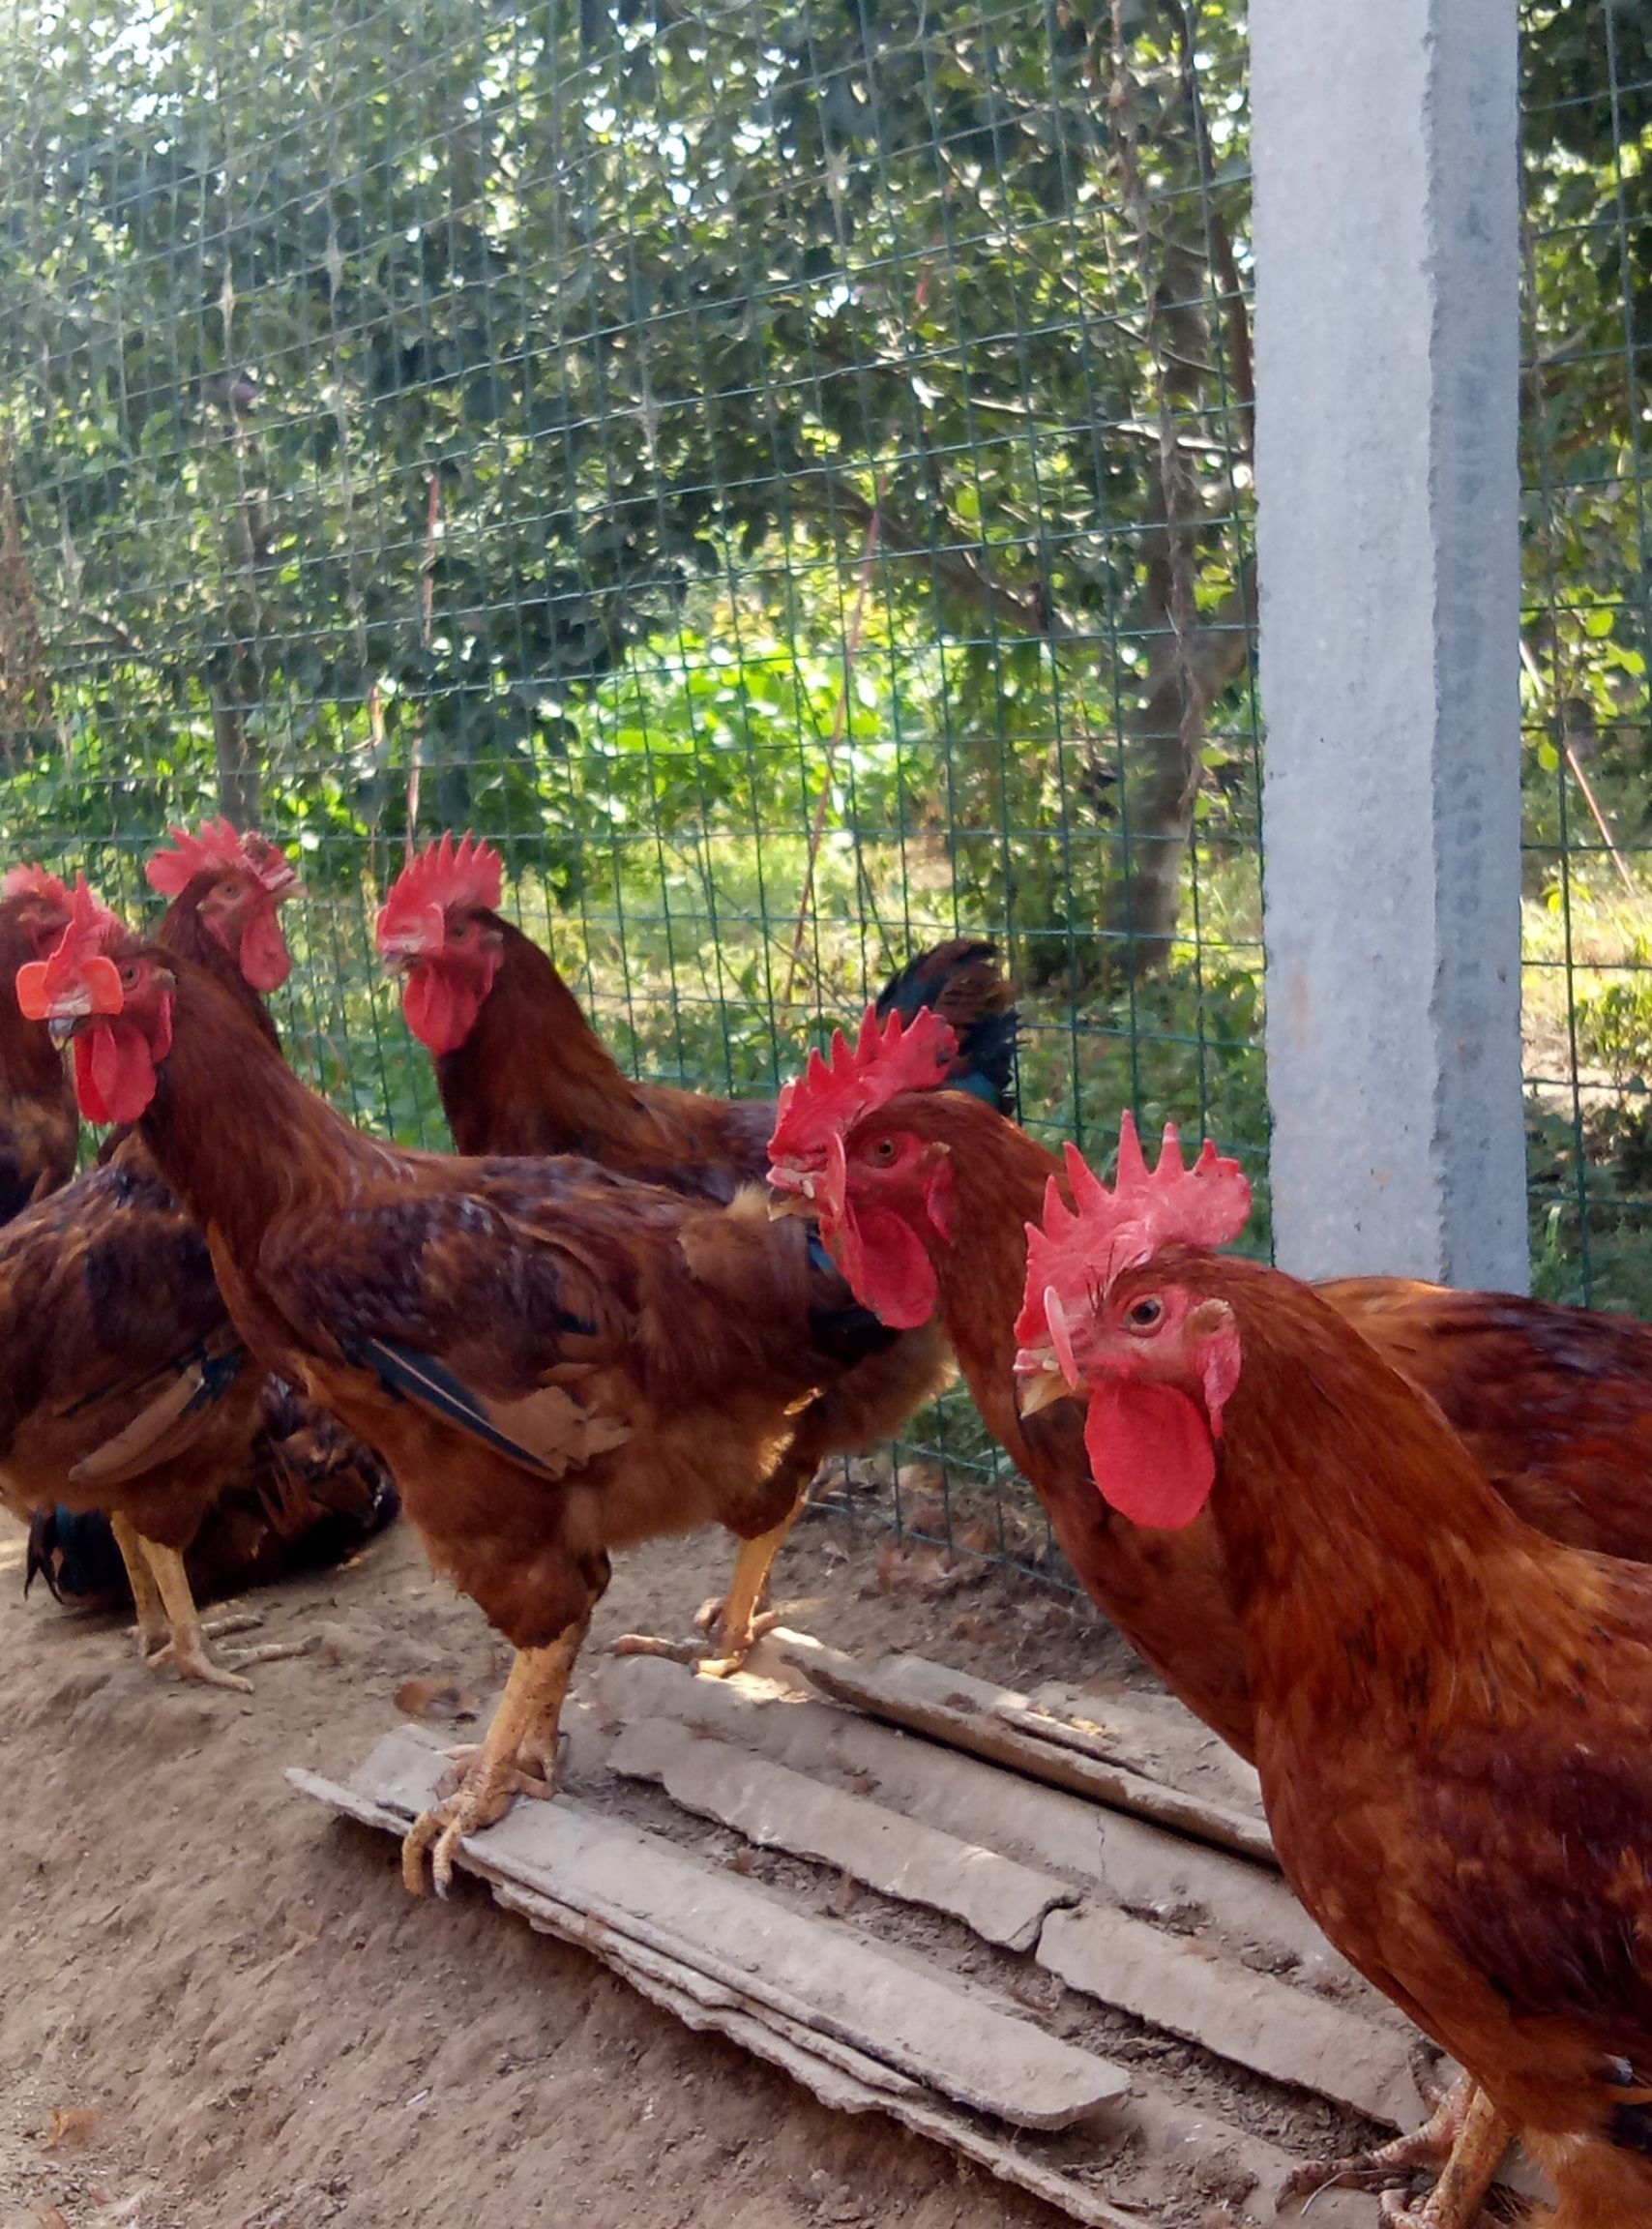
(128, 974)
(460, 931)
(884, 1150)
(1146, 1315)
(230, 888)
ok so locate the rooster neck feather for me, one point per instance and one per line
(222, 1080)
(1363, 1545)
(998, 1176)
(531, 1052)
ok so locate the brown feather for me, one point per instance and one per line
(678, 1333)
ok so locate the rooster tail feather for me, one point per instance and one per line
(963, 982)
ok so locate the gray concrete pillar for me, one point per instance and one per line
(1384, 141)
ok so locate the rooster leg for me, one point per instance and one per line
(186, 1647)
(734, 1625)
(517, 1758)
(1437, 2147)
(1456, 2197)
(153, 1630)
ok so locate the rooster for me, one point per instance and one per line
(128, 1398)
(923, 1199)
(521, 1071)
(1449, 1706)
(303, 1494)
(39, 1131)
(228, 889)
(556, 1361)
(306, 1498)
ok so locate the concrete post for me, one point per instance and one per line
(1385, 146)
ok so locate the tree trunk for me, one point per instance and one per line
(1162, 743)
(239, 796)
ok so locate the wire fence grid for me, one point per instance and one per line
(783, 474)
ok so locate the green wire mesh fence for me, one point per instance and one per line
(1585, 642)
(783, 473)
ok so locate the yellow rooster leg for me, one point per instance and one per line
(732, 1627)
(1456, 2197)
(153, 1630)
(517, 1758)
(186, 1648)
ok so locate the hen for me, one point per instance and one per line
(39, 1131)
(521, 1071)
(1555, 1402)
(1449, 1707)
(556, 1361)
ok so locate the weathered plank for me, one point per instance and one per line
(1151, 1733)
(1249, 2018)
(888, 1690)
(846, 2081)
(954, 2036)
(1003, 1902)
(1150, 2121)
(1358, 2058)
(1243, 1909)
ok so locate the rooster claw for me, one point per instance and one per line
(471, 1808)
(730, 1654)
(652, 1645)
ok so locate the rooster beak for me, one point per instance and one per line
(61, 1027)
(1038, 1390)
(791, 1191)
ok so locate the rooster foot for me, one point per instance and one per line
(188, 1655)
(716, 1655)
(537, 1775)
(481, 1801)
(232, 1622)
(519, 1757)
(193, 1662)
(1461, 2143)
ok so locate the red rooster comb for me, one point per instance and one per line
(79, 969)
(1077, 1254)
(218, 849)
(445, 877)
(25, 882)
(885, 1060)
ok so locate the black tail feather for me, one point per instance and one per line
(964, 983)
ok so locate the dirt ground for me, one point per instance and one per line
(217, 2006)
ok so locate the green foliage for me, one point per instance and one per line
(758, 466)
(1613, 1023)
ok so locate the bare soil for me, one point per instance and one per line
(218, 2010)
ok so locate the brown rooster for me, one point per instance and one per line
(1554, 1403)
(295, 1491)
(521, 1071)
(40, 1130)
(556, 1361)
(228, 889)
(1449, 1706)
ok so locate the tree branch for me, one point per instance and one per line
(826, 496)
